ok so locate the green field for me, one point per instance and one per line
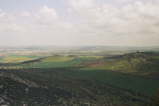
(16, 58)
(61, 61)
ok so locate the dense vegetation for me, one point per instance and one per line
(120, 80)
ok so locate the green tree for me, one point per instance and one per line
(155, 100)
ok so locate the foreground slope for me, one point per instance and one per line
(44, 89)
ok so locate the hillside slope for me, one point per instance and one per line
(38, 89)
(140, 63)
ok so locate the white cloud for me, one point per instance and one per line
(135, 23)
(131, 24)
(8, 22)
(25, 14)
(80, 4)
(46, 15)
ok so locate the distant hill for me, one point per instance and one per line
(73, 49)
(139, 63)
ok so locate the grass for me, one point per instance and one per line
(16, 58)
(60, 61)
(128, 64)
(115, 79)
(124, 81)
(57, 59)
(66, 83)
(121, 65)
(108, 71)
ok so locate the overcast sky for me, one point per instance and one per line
(79, 22)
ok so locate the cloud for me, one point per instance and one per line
(131, 24)
(8, 22)
(80, 4)
(46, 15)
(134, 23)
(25, 14)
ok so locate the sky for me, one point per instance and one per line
(79, 22)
